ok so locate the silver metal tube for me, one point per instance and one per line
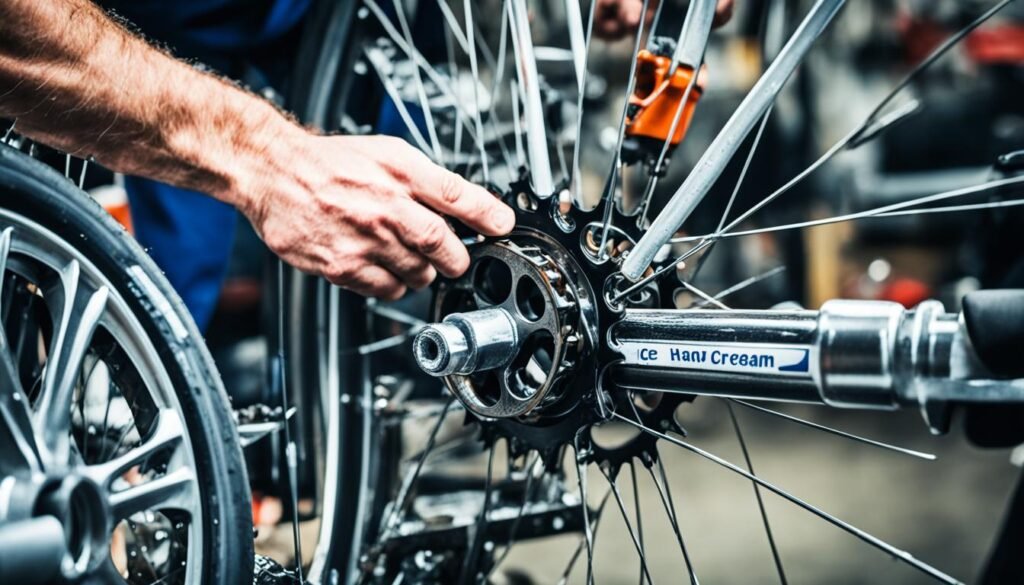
(529, 79)
(711, 165)
(694, 36)
(850, 354)
(467, 342)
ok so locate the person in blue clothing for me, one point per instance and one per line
(365, 212)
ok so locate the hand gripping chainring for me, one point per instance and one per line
(549, 275)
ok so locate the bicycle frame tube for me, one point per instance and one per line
(711, 165)
(850, 354)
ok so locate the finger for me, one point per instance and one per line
(426, 233)
(376, 282)
(450, 194)
(413, 269)
(723, 12)
(629, 13)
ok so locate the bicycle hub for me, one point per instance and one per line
(510, 328)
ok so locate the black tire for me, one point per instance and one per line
(36, 192)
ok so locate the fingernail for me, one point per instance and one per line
(504, 218)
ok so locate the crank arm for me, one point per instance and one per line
(850, 354)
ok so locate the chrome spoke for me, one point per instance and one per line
(580, 457)
(529, 82)
(581, 82)
(741, 285)
(420, 61)
(470, 564)
(757, 494)
(176, 490)
(665, 494)
(513, 530)
(874, 541)
(837, 432)
(735, 191)
(690, 51)
(421, 92)
(608, 196)
(401, 502)
(76, 316)
(639, 515)
(891, 210)
(477, 119)
(629, 525)
(382, 66)
(585, 542)
(895, 209)
(707, 298)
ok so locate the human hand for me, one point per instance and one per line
(363, 212)
(615, 19)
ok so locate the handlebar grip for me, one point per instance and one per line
(995, 325)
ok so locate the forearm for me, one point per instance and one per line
(76, 80)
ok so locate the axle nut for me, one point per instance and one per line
(467, 342)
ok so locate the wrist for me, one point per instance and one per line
(262, 147)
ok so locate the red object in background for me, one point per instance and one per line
(1001, 44)
(908, 292)
(997, 45)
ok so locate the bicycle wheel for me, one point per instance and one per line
(572, 383)
(115, 420)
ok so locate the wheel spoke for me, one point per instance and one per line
(639, 515)
(14, 407)
(477, 119)
(581, 82)
(471, 563)
(891, 210)
(874, 541)
(741, 285)
(586, 542)
(168, 434)
(412, 53)
(714, 160)
(611, 187)
(665, 493)
(421, 92)
(176, 490)
(514, 529)
(757, 494)
(529, 82)
(401, 502)
(837, 432)
(629, 525)
(382, 66)
(580, 458)
(735, 191)
(76, 313)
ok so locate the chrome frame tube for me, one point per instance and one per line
(850, 354)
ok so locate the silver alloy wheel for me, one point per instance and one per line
(150, 470)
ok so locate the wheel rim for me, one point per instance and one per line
(122, 470)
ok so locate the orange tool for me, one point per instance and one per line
(656, 99)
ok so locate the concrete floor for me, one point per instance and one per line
(945, 512)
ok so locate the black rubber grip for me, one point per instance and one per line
(995, 324)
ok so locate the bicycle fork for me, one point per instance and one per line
(849, 354)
